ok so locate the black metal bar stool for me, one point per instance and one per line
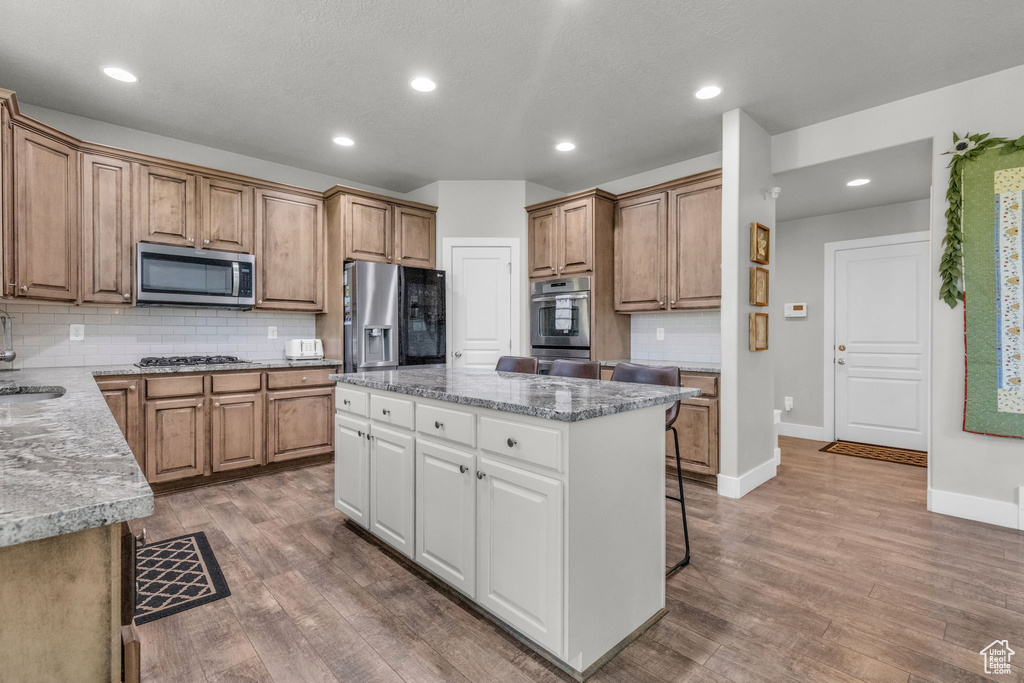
(584, 369)
(522, 364)
(667, 376)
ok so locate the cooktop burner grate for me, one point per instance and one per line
(169, 361)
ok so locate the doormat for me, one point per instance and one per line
(175, 575)
(866, 450)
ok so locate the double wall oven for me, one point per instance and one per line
(560, 320)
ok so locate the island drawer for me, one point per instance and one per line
(393, 411)
(237, 383)
(168, 387)
(708, 384)
(453, 425)
(537, 445)
(292, 379)
(352, 401)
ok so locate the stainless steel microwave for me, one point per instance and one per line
(183, 276)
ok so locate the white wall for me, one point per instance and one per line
(747, 455)
(798, 275)
(969, 474)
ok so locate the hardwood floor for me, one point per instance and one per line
(832, 571)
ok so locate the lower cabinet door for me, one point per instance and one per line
(299, 423)
(122, 398)
(446, 513)
(519, 550)
(392, 473)
(175, 439)
(352, 469)
(697, 426)
(236, 428)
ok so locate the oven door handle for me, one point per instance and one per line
(556, 297)
(236, 278)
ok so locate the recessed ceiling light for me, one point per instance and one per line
(422, 84)
(859, 181)
(707, 92)
(120, 74)
(343, 141)
(565, 147)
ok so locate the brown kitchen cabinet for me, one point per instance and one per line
(122, 396)
(543, 243)
(300, 423)
(641, 243)
(166, 206)
(414, 237)
(563, 234)
(369, 233)
(175, 438)
(106, 230)
(363, 226)
(290, 254)
(236, 431)
(225, 215)
(45, 217)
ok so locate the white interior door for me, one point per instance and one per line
(881, 345)
(481, 311)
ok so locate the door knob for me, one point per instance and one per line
(458, 354)
(463, 469)
(842, 347)
(841, 361)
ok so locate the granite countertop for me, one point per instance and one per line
(64, 464)
(552, 398)
(684, 365)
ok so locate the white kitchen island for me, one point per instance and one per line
(540, 499)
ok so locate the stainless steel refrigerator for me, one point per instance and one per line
(394, 316)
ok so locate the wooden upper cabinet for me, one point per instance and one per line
(414, 237)
(289, 251)
(695, 248)
(106, 230)
(641, 236)
(368, 230)
(225, 215)
(167, 206)
(576, 237)
(543, 236)
(45, 216)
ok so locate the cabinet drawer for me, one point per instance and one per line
(304, 377)
(166, 387)
(352, 401)
(708, 384)
(237, 383)
(393, 411)
(453, 425)
(537, 445)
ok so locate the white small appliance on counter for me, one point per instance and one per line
(303, 349)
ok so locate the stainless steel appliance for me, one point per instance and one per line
(370, 301)
(170, 361)
(560, 320)
(183, 276)
(421, 317)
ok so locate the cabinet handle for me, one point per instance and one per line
(216, 405)
(126, 295)
(480, 475)
(511, 442)
(385, 411)
(438, 425)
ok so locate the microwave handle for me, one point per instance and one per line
(235, 278)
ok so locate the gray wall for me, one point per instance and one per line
(799, 276)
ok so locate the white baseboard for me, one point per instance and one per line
(802, 431)
(737, 487)
(979, 509)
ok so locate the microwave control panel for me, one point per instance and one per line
(245, 280)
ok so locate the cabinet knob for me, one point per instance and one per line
(199, 405)
(438, 425)
(367, 436)
(347, 402)
(270, 398)
(191, 239)
(206, 241)
(216, 405)
(480, 475)
(458, 354)
(511, 442)
(841, 361)
(661, 303)
(673, 302)
(131, 387)
(259, 301)
(463, 469)
(360, 434)
(385, 411)
(24, 288)
(304, 379)
(127, 295)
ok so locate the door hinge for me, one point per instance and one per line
(509, 266)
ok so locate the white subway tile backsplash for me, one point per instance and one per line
(115, 336)
(689, 336)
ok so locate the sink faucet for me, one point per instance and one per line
(7, 352)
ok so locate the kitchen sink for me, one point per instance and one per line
(29, 397)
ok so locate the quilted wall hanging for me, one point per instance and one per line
(983, 248)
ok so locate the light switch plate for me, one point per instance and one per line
(77, 333)
(789, 402)
(659, 334)
(272, 332)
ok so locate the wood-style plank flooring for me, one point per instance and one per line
(832, 571)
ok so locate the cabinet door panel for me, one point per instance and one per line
(641, 233)
(392, 466)
(236, 431)
(352, 469)
(299, 423)
(122, 398)
(175, 439)
(414, 237)
(106, 230)
(289, 251)
(446, 513)
(543, 243)
(576, 224)
(695, 249)
(167, 206)
(519, 550)
(697, 425)
(45, 217)
(225, 210)
(368, 230)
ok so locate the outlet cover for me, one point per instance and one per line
(77, 333)
(789, 402)
(659, 334)
(272, 332)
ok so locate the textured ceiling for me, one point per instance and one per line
(277, 80)
(897, 174)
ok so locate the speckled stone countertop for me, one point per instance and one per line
(552, 398)
(64, 465)
(684, 365)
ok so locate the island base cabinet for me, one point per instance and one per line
(519, 541)
(392, 487)
(352, 469)
(446, 514)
